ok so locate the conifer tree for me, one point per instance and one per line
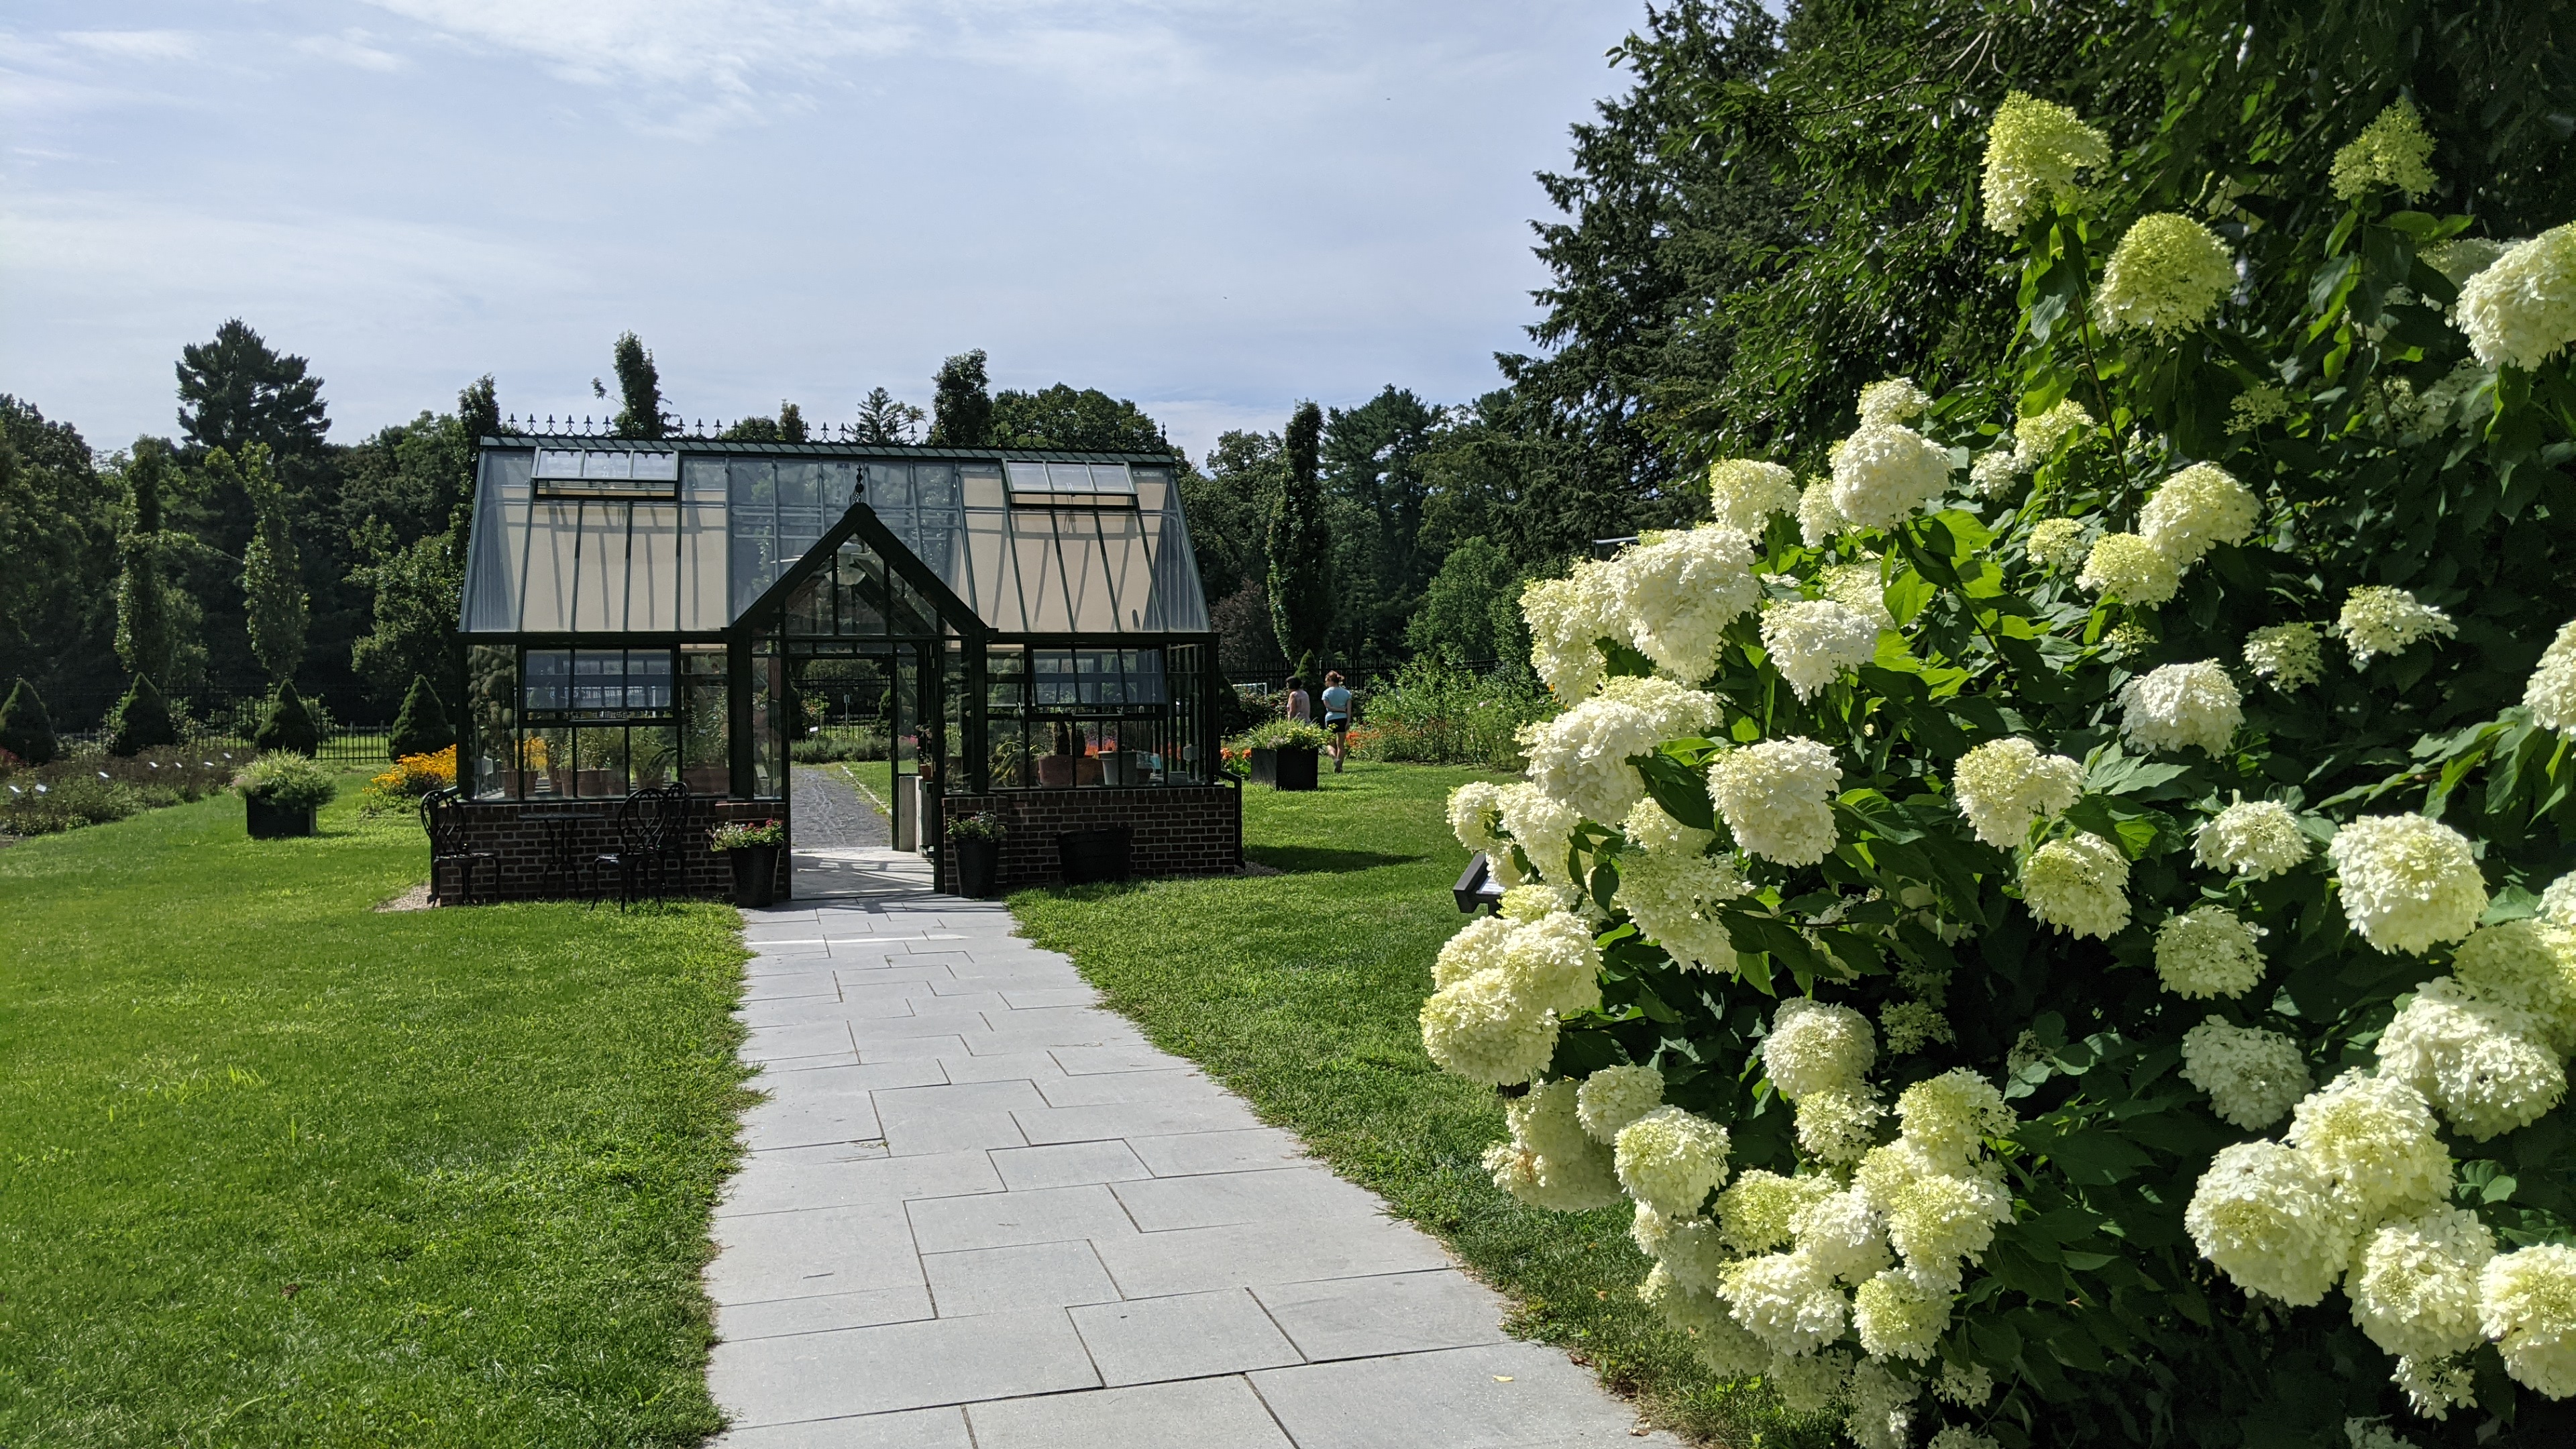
(639, 387)
(25, 729)
(141, 720)
(1300, 548)
(276, 606)
(289, 725)
(422, 728)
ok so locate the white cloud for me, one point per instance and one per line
(135, 44)
(669, 42)
(352, 48)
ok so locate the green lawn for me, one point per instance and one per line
(282, 1170)
(1301, 991)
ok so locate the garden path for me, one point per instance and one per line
(982, 1212)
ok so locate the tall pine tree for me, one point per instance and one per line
(1301, 547)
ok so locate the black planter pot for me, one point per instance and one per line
(276, 822)
(1101, 854)
(755, 874)
(1290, 767)
(979, 864)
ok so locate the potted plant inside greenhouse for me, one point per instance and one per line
(280, 791)
(1284, 752)
(977, 839)
(752, 847)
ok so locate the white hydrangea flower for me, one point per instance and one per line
(2434, 1387)
(2414, 1284)
(1960, 1436)
(2257, 839)
(1935, 1219)
(2551, 694)
(1549, 1162)
(1755, 1213)
(2208, 951)
(1951, 1115)
(1838, 1126)
(2379, 620)
(2286, 654)
(1807, 1383)
(2037, 438)
(2521, 310)
(2408, 883)
(2464, 257)
(2391, 151)
(1786, 1300)
(2558, 902)
(1675, 593)
(2373, 1138)
(1524, 904)
(1966, 1385)
(1720, 1342)
(1567, 618)
(1911, 1026)
(1777, 798)
(1650, 827)
(2197, 509)
(2528, 964)
(2270, 1222)
(1674, 900)
(1817, 1047)
(2528, 1308)
(2167, 275)
(1897, 400)
(1743, 493)
(2033, 151)
(1992, 473)
(2253, 1077)
(2004, 786)
(1818, 521)
(2481, 1063)
(2182, 706)
(1541, 825)
(1476, 816)
(1478, 946)
(2079, 885)
(1861, 588)
(1881, 1413)
(1581, 756)
(1694, 1253)
(2371, 1434)
(1812, 641)
(1671, 1160)
(2129, 569)
(1553, 963)
(1613, 1097)
(1900, 1314)
(1482, 1030)
(2058, 543)
(1840, 1232)
(1884, 472)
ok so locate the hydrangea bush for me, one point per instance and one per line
(2061, 922)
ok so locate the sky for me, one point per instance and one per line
(1214, 209)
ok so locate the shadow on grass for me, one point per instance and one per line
(1324, 860)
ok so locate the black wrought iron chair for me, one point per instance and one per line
(648, 844)
(442, 818)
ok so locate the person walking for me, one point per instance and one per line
(1337, 716)
(1300, 707)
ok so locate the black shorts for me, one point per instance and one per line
(1338, 723)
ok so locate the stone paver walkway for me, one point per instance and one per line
(981, 1212)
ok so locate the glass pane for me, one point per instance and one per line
(599, 762)
(654, 755)
(706, 758)
(768, 727)
(648, 681)
(491, 721)
(752, 518)
(1010, 753)
(547, 760)
(653, 569)
(1006, 677)
(549, 679)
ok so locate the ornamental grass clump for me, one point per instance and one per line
(2026, 994)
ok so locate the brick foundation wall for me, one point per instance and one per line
(527, 852)
(1179, 829)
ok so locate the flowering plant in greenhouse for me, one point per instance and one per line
(2028, 990)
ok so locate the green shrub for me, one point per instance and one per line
(288, 726)
(838, 744)
(25, 729)
(141, 721)
(2148, 773)
(1282, 734)
(288, 780)
(422, 727)
(1435, 713)
(98, 787)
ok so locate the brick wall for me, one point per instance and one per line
(1179, 829)
(528, 853)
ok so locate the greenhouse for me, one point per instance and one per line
(1028, 626)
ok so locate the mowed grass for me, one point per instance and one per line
(1301, 991)
(277, 1169)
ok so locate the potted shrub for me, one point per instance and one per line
(752, 846)
(977, 839)
(1283, 753)
(281, 790)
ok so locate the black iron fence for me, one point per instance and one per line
(355, 746)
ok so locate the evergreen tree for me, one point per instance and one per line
(422, 728)
(961, 406)
(289, 725)
(273, 597)
(25, 730)
(141, 721)
(1300, 547)
(154, 616)
(237, 390)
(883, 419)
(639, 388)
(791, 422)
(58, 561)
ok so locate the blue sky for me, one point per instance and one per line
(1212, 208)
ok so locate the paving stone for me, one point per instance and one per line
(1103, 1089)
(823, 1154)
(828, 1108)
(1133, 1119)
(899, 1366)
(920, 1072)
(1193, 1335)
(784, 985)
(1187, 1153)
(1198, 1260)
(1280, 1195)
(911, 1429)
(1066, 1165)
(763, 1187)
(1002, 1219)
(811, 1253)
(883, 1031)
(1206, 1414)
(780, 1316)
(1391, 1313)
(1506, 1396)
(913, 1048)
(1031, 998)
(1011, 1067)
(1108, 1032)
(1033, 1275)
(1136, 1057)
(960, 1115)
(771, 1043)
